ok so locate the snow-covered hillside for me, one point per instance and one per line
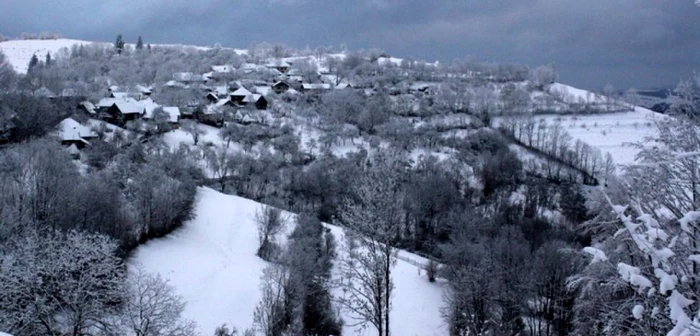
(211, 262)
(611, 133)
(19, 52)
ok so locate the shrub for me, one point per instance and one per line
(431, 269)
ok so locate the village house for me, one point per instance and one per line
(315, 87)
(280, 87)
(120, 110)
(189, 78)
(240, 94)
(143, 91)
(74, 134)
(255, 99)
(279, 65)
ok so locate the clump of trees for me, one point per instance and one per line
(73, 283)
(270, 223)
(131, 196)
(296, 295)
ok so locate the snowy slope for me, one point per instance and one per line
(19, 52)
(212, 263)
(571, 94)
(611, 133)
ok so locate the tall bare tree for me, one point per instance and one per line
(372, 220)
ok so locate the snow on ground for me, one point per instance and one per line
(210, 134)
(19, 52)
(611, 133)
(211, 262)
(574, 95)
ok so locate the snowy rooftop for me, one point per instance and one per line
(222, 68)
(69, 129)
(241, 92)
(316, 86)
(173, 112)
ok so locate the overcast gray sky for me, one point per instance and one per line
(626, 43)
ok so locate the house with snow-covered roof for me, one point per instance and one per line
(74, 134)
(256, 100)
(120, 110)
(279, 65)
(143, 91)
(226, 68)
(240, 94)
(280, 87)
(315, 87)
(116, 94)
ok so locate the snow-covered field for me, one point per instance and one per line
(611, 133)
(211, 262)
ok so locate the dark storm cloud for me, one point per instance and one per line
(624, 42)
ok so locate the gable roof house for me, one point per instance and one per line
(73, 134)
(240, 94)
(255, 99)
(120, 110)
(280, 87)
(212, 97)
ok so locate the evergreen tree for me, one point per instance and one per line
(139, 44)
(119, 43)
(48, 59)
(33, 62)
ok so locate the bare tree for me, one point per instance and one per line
(192, 128)
(372, 221)
(270, 316)
(221, 162)
(59, 284)
(151, 307)
(544, 75)
(270, 223)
